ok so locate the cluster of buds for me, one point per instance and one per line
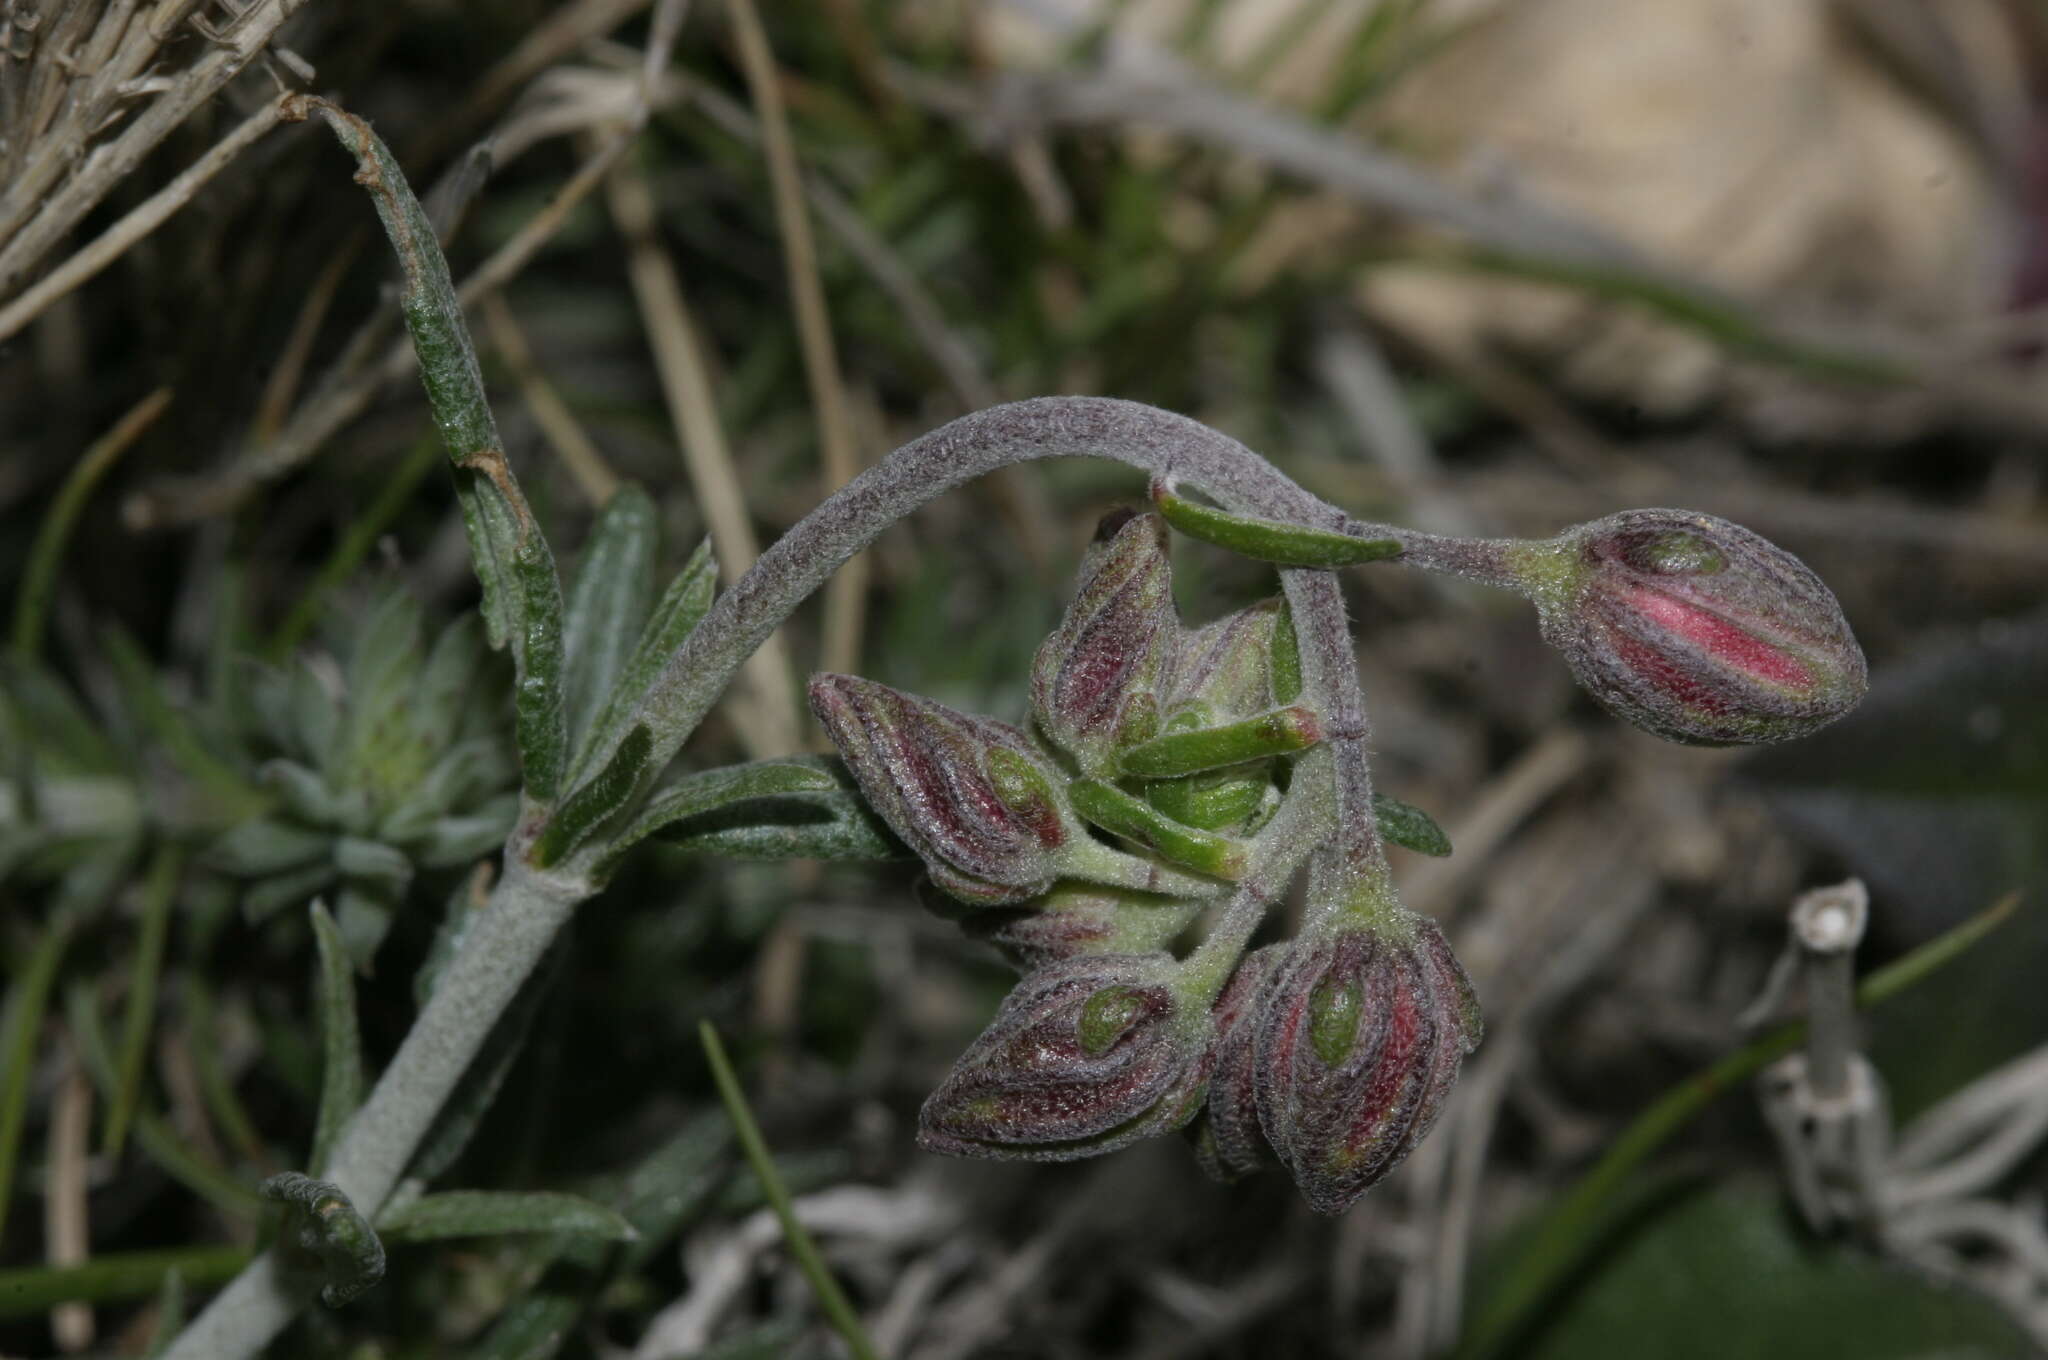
(1088, 845)
(1149, 787)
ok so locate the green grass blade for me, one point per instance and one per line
(39, 578)
(159, 890)
(489, 1213)
(115, 1278)
(830, 1297)
(27, 995)
(357, 540)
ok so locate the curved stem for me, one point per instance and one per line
(1144, 437)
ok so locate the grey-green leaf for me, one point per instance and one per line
(324, 1230)
(484, 1213)
(608, 603)
(599, 798)
(1410, 827)
(341, 1072)
(708, 790)
(264, 847)
(539, 715)
(675, 616)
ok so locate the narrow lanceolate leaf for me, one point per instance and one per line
(675, 616)
(1268, 540)
(341, 1069)
(1279, 732)
(707, 791)
(539, 717)
(586, 809)
(607, 604)
(324, 1234)
(486, 1213)
(1408, 826)
(1120, 814)
(522, 594)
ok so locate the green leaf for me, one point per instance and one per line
(1724, 1272)
(307, 797)
(522, 593)
(1281, 731)
(263, 900)
(117, 1277)
(459, 840)
(325, 1232)
(174, 730)
(158, 891)
(1409, 827)
(363, 912)
(603, 795)
(608, 604)
(539, 717)
(28, 992)
(1267, 540)
(709, 790)
(262, 847)
(341, 1068)
(675, 617)
(170, 1310)
(380, 664)
(485, 1213)
(446, 685)
(1120, 814)
(796, 808)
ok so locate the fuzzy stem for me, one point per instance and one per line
(511, 933)
(1159, 442)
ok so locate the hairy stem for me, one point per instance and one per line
(1145, 437)
(511, 933)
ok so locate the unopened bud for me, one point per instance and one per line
(1228, 1141)
(970, 795)
(1086, 1056)
(1099, 682)
(1359, 1040)
(1694, 628)
(1080, 918)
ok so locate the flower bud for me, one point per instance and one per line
(1086, 1056)
(1078, 918)
(1694, 628)
(1226, 666)
(1227, 1138)
(1360, 1036)
(1099, 682)
(970, 795)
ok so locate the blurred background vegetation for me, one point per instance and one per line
(1477, 266)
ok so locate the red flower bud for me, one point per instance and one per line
(970, 795)
(1099, 682)
(1077, 918)
(1359, 1039)
(1694, 628)
(1228, 1141)
(1086, 1056)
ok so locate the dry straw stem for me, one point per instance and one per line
(152, 213)
(764, 708)
(281, 388)
(846, 596)
(67, 1224)
(579, 454)
(62, 176)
